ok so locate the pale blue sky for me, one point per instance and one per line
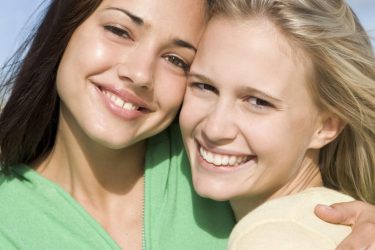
(15, 13)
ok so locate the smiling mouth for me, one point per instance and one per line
(118, 102)
(221, 160)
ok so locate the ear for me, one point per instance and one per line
(329, 128)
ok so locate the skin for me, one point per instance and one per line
(121, 80)
(259, 111)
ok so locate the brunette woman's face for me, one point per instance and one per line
(122, 77)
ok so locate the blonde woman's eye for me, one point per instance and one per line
(259, 103)
(204, 87)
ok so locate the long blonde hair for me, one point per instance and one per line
(331, 35)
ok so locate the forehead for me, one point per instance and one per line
(169, 14)
(253, 35)
(253, 49)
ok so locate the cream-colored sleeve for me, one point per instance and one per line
(281, 235)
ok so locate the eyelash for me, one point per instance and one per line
(256, 102)
(259, 103)
(204, 87)
(178, 62)
(118, 31)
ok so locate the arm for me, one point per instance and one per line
(359, 215)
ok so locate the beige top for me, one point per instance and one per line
(290, 223)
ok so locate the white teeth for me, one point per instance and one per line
(217, 159)
(119, 102)
(129, 106)
(209, 157)
(225, 160)
(239, 160)
(222, 160)
(232, 160)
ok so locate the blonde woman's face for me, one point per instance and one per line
(123, 75)
(248, 118)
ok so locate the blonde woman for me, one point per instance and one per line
(283, 94)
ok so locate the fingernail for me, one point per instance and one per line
(322, 206)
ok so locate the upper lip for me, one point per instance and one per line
(126, 96)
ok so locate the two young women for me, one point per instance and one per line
(82, 165)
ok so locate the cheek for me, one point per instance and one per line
(89, 54)
(281, 141)
(169, 90)
(191, 113)
(267, 136)
(96, 57)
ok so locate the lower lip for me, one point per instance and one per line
(120, 112)
(218, 169)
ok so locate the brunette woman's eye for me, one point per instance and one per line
(178, 62)
(117, 31)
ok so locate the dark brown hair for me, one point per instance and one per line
(28, 121)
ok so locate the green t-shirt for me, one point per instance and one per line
(38, 214)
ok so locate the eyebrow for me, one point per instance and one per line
(184, 44)
(200, 77)
(140, 22)
(136, 19)
(262, 92)
(206, 79)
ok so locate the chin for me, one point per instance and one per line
(213, 192)
(109, 140)
(115, 143)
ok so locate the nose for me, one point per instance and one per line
(138, 67)
(220, 125)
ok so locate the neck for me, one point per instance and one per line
(90, 172)
(308, 175)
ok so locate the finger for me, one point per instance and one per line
(333, 215)
(362, 237)
(345, 213)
